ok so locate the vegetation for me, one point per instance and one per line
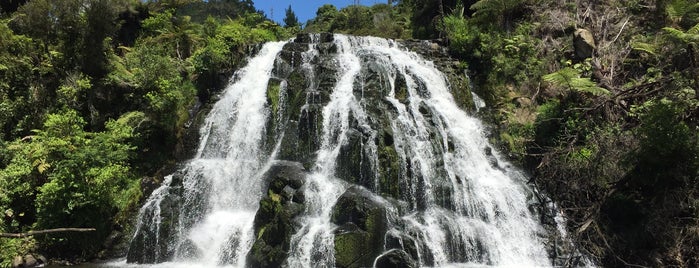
(612, 138)
(95, 95)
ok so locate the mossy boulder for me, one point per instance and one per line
(274, 221)
(362, 218)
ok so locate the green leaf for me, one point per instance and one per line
(570, 78)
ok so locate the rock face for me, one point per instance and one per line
(584, 44)
(273, 221)
(147, 246)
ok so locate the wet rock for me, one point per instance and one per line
(362, 218)
(353, 163)
(274, 221)
(395, 258)
(584, 44)
(403, 242)
(351, 247)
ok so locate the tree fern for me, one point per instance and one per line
(570, 78)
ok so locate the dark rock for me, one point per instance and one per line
(362, 218)
(403, 242)
(42, 259)
(326, 37)
(353, 163)
(395, 258)
(188, 250)
(285, 173)
(584, 44)
(274, 219)
(302, 38)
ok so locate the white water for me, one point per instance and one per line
(490, 205)
(228, 162)
(463, 208)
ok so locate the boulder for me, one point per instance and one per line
(395, 258)
(30, 261)
(397, 240)
(17, 262)
(362, 220)
(274, 221)
(584, 44)
(42, 259)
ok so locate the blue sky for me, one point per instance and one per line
(304, 9)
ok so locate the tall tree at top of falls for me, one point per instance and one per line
(291, 20)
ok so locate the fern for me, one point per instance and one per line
(690, 36)
(570, 78)
(644, 47)
(678, 9)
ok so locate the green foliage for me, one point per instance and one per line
(498, 11)
(95, 94)
(15, 247)
(67, 177)
(570, 79)
(682, 12)
(290, 19)
(689, 36)
(668, 150)
(379, 20)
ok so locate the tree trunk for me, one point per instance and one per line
(57, 230)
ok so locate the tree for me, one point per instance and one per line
(291, 20)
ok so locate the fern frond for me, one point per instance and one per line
(644, 47)
(694, 29)
(570, 78)
(562, 77)
(675, 33)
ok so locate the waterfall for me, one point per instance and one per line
(219, 190)
(341, 151)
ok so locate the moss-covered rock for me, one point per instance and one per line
(353, 247)
(274, 223)
(363, 223)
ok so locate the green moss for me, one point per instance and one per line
(275, 197)
(350, 248)
(261, 232)
(389, 171)
(296, 84)
(273, 95)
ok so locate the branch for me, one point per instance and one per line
(57, 230)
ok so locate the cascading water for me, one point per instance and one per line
(218, 194)
(339, 151)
